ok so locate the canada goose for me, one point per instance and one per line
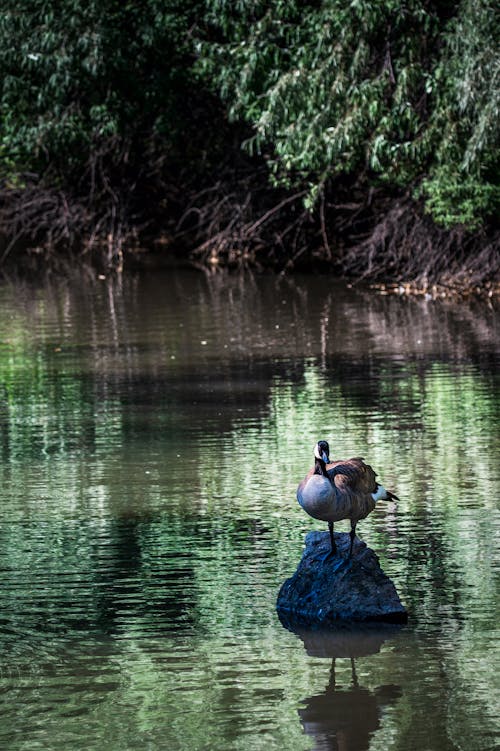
(332, 491)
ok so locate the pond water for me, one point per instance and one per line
(153, 432)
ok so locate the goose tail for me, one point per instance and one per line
(382, 494)
(391, 496)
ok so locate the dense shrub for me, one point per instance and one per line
(114, 115)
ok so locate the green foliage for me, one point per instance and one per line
(77, 75)
(463, 183)
(400, 93)
(319, 84)
(393, 90)
(456, 197)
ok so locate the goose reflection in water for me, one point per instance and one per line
(344, 719)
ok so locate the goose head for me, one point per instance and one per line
(322, 451)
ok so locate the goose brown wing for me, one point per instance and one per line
(353, 475)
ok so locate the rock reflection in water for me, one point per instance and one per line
(343, 719)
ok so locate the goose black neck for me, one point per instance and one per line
(320, 467)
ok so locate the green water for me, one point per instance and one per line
(153, 432)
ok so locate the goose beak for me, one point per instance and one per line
(325, 457)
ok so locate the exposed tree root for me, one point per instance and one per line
(371, 237)
(239, 220)
(406, 244)
(243, 222)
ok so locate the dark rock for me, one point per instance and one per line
(337, 589)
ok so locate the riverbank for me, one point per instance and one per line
(439, 291)
(323, 142)
(145, 260)
(365, 236)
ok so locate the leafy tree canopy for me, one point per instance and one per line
(396, 90)
(77, 74)
(402, 92)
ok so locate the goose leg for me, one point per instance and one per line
(332, 538)
(352, 535)
(333, 550)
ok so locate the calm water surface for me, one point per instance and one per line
(153, 432)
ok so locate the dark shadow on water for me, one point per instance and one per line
(340, 718)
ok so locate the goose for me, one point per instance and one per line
(337, 490)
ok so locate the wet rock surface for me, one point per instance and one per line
(326, 591)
